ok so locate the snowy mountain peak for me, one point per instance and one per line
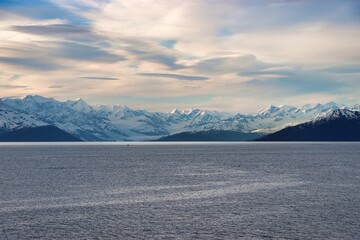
(269, 110)
(195, 111)
(332, 104)
(175, 111)
(111, 108)
(339, 114)
(356, 107)
(79, 105)
(79, 100)
(343, 113)
(321, 108)
(191, 111)
(37, 99)
(329, 106)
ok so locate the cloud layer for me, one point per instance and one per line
(232, 55)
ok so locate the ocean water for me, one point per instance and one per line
(180, 191)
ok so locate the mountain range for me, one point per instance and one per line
(120, 123)
(336, 125)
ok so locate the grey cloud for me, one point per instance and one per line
(169, 61)
(175, 76)
(32, 63)
(42, 55)
(146, 51)
(17, 49)
(164, 59)
(79, 33)
(100, 78)
(56, 86)
(245, 65)
(15, 76)
(6, 86)
(342, 69)
(285, 2)
(301, 83)
(285, 71)
(53, 29)
(228, 64)
(86, 52)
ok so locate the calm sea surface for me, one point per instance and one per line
(180, 191)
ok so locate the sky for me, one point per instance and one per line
(228, 55)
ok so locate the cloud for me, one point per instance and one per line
(169, 61)
(100, 78)
(56, 86)
(282, 71)
(175, 76)
(307, 45)
(250, 52)
(84, 52)
(228, 64)
(149, 51)
(6, 86)
(342, 69)
(54, 29)
(280, 3)
(15, 77)
(299, 83)
(32, 63)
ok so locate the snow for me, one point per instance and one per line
(337, 114)
(11, 120)
(118, 122)
(174, 111)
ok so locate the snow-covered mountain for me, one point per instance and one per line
(339, 114)
(11, 120)
(335, 125)
(120, 123)
(84, 123)
(271, 119)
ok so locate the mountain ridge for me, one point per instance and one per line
(337, 125)
(121, 123)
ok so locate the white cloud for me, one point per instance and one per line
(229, 43)
(308, 45)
